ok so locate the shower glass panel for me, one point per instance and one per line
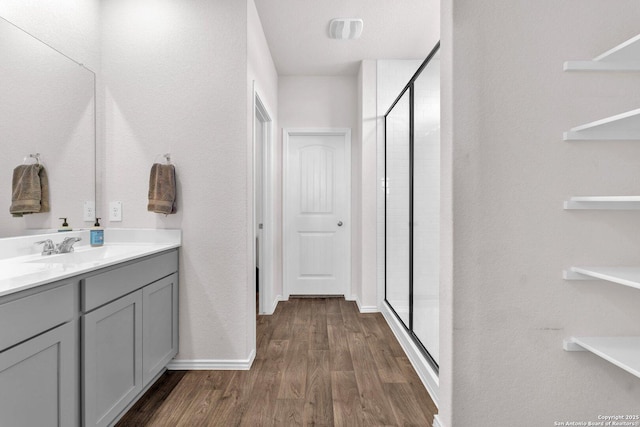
(397, 208)
(412, 207)
(426, 207)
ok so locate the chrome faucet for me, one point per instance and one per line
(64, 247)
(48, 247)
(67, 245)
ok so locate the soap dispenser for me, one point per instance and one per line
(64, 226)
(96, 234)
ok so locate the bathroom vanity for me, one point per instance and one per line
(84, 334)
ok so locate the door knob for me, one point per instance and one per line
(339, 223)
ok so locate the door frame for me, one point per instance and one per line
(267, 267)
(287, 133)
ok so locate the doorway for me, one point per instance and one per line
(262, 209)
(317, 212)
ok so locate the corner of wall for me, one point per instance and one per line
(370, 293)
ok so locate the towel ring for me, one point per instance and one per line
(163, 158)
(36, 157)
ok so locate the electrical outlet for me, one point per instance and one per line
(89, 211)
(115, 211)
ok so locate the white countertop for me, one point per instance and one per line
(23, 267)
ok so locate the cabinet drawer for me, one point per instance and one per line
(102, 288)
(34, 314)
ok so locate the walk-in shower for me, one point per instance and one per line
(412, 206)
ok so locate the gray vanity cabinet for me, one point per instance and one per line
(130, 333)
(37, 381)
(38, 362)
(112, 344)
(159, 325)
(82, 350)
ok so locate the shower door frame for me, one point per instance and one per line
(409, 87)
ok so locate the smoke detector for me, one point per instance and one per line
(345, 28)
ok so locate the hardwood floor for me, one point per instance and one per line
(319, 362)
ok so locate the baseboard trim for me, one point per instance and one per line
(363, 308)
(369, 309)
(276, 300)
(437, 422)
(274, 305)
(211, 364)
(424, 370)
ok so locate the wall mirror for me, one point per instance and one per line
(47, 106)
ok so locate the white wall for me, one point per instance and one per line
(317, 101)
(356, 199)
(175, 77)
(506, 102)
(369, 183)
(262, 71)
(71, 26)
(445, 372)
(329, 102)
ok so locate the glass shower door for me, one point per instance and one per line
(426, 208)
(397, 156)
(412, 207)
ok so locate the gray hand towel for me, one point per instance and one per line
(162, 189)
(29, 190)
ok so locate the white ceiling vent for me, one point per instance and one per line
(345, 28)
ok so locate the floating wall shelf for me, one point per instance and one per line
(603, 202)
(624, 352)
(625, 126)
(624, 57)
(627, 276)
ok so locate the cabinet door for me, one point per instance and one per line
(37, 381)
(160, 325)
(112, 358)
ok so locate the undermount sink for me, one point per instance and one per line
(90, 255)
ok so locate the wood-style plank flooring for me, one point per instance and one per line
(319, 362)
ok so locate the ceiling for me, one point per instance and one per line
(297, 33)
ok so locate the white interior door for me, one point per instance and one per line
(317, 197)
